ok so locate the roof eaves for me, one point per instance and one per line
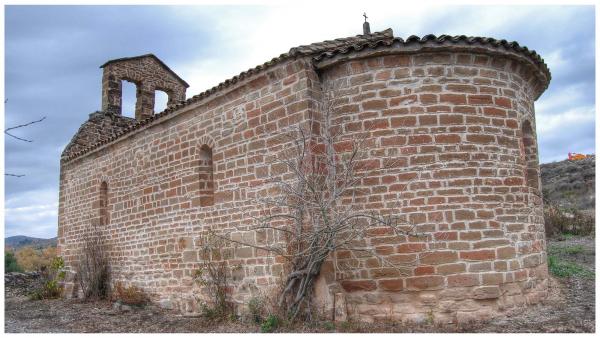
(514, 46)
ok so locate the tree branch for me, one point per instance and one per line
(21, 126)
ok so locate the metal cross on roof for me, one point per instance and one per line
(366, 27)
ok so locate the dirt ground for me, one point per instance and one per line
(570, 307)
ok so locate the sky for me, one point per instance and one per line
(53, 53)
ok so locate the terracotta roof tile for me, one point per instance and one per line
(471, 40)
(320, 47)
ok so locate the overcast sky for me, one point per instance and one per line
(53, 54)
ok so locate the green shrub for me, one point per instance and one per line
(346, 326)
(329, 326)
(51, 286)
(49, 290)
(563, 268)
(270, 324)
(10, 263)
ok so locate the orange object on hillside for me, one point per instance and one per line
(576, 156)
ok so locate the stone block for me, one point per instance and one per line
(486, 292)
(190, 256)
(425, 283)
(244, 252)
(438, 257)
(391, 284)
(531, 261)
(462, 280)
(358, 285)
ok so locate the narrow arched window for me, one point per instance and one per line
(205, 177)
(103, 205)
(530, 156)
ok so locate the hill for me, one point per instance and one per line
(570, 184)
(17, 242)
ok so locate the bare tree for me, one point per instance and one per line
(93, 271)
(311, 208)
(7, 132)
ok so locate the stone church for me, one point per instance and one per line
(457, 112)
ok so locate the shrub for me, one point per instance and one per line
(213, 276)
(347, 326)
(51, 281)
(583, 224)
(35, 259)
(558, 221)
(10, 263)
(270, 324)
(49, 290)
(329, 326)
(93, 269)
(131, 295)
(256, 309)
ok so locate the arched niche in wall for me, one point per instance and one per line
(103, 213)
(530, 155)
(205, 176)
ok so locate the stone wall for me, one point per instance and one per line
(453, 124)
(450, 119)
(156, 195)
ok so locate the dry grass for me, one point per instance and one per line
(131, 295)
(559, 221)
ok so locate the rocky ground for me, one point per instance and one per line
(18, 284)
(569, 308)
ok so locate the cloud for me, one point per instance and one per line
(32, 213)
(550, 124)
(575, 95)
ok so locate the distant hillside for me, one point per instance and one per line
(16, 242)
(570, 183)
